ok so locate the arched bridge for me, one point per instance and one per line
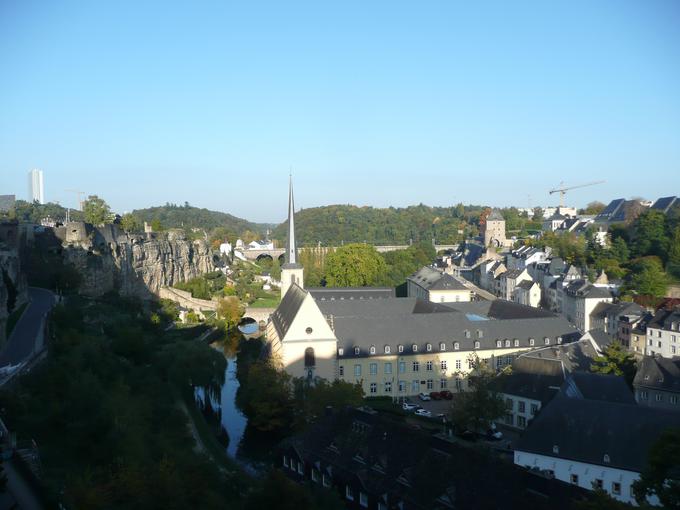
(258, 314)
(255, 254)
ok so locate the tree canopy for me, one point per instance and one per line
(355, 265)
(616, 360)
(96, 211)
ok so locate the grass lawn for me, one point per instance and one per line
(270, 302)
(14, 318)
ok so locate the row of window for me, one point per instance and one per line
(326, 481)
(598, 483)
(415, 367)
(442, 346)
(644, 395)
(415, 385)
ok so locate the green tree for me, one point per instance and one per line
(650, 235)
(619, 250)
(266, 398)
(673, 266)
(660, 477)
(156, 225)
(474, 410)
(594, 208)
(355, 265)
(276, 269)
(648, 278)
(314, 397)
(96, 211)
(130, 223)
(615, 359)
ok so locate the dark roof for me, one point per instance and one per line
(537, 379)
(495, 215)
(601, 310)
(398, 321)
(585, 289)
(587, 430)
(664, 319)
(432, 279)
(601, 338)
(605, 387)
(526, 284)
(285, 313)
(574, 356)
(664, 204)
(411, 469)
(658, 373)
(332, 293)
(513, 273)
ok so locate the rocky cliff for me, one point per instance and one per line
(13, 287)
(135, 265)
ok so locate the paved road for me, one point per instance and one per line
(27, 335)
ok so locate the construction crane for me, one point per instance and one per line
(562, 190)
(79, 194)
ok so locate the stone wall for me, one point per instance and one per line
(10, 276)
(135, 265)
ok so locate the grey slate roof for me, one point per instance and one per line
(587, 430)
(534, 378)
(574, 356)
(585, 289)
(333, 293)
(658, 373)
(431, 279)
(526, 284)
(601, 338)
(285, 313)
(604, 387)
(495, 215)
(664, 319)
(399, 321)
(513, 273)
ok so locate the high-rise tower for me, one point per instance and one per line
(291, 271)
(35, 186)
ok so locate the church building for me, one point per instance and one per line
(396, 346)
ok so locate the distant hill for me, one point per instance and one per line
(334, 224)
(187, 216)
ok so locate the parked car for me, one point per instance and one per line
(423, 412)
(435, 395)
(493, 433)
(445, 395)
(407, 406)
(424, 397)
(468, 435)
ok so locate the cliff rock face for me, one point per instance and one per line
(135, 265)
(13, 287)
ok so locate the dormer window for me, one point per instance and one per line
(480, 333)
(387, 349)
(414, 348)
(341, 351)
(456, 346)
(428, 347)
(442, 346)
(556, 449)
(531, 342)
(546, 340)
(606, 459)
(516, 342)
(357, 351)
(467, 334)
(371, 350)
(559, 339)
(400, 348)
(477, 344)
(499, 344)
(507, 343)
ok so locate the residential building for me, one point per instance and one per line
(608, 318)
(619, 211)
(536, 378)
(527, 292)
(525, 256)
(510, 279)
(663, 333)
(657, 383)
(579, 299)
(436, 286)
(36, 191)
(373, 462)
(489, 276)
(593, 443)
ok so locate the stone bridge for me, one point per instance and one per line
(185, 300)
(259, 315)
(254, 254)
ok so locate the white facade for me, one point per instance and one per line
(36, 191)
(618, 483)
(519, 410)
(528, 297)
(663, 342)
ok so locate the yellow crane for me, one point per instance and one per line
(79, 194)
(562, 190)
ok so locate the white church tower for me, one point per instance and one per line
(291, 271)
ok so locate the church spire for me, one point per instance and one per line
(291, 248)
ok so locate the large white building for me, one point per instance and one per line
(396, 346)
(36, 191)
(436, 286)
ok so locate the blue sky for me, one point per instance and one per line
(371, 103)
